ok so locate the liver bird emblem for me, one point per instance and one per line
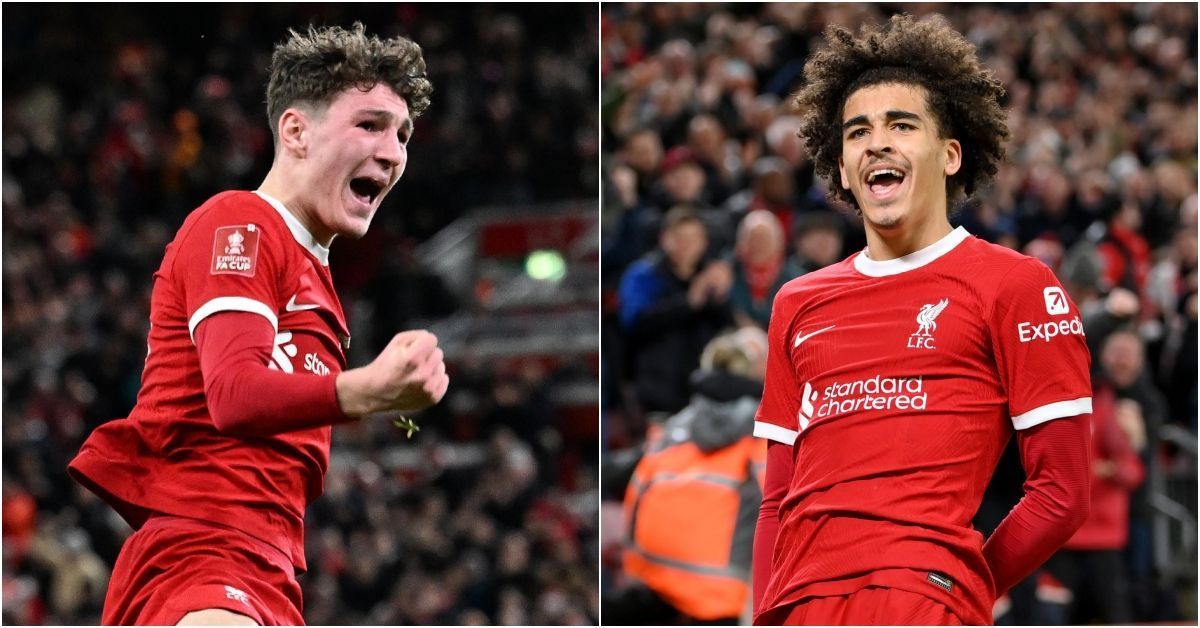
(927, 317)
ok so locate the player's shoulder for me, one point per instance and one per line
(232, 209)
(795, 295)
(819, 280)
(998, 266)
(990, 251)
(233, 206)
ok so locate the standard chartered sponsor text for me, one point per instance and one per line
(875, 393)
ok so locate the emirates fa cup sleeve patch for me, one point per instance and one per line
(235, 250)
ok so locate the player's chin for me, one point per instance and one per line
(888, 217)
(354, 225)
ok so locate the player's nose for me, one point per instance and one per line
(391, 153)
(880, 144)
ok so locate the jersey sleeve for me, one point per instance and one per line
(777, 413)
(230, 261)
(1041, 353)
(1058, 465)
(245, 397)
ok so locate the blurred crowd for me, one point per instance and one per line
(120, 119)
(710, 205)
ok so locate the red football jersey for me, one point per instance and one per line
(898, 383)
(240, 251)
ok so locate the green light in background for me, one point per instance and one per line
(545, 265)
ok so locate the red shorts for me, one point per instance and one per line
(175, 565)
(871, 606)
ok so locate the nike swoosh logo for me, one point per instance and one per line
(292, 307)
(800, 339)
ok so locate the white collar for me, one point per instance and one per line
(912, 261)
(301, 234)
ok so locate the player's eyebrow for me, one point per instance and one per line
(890, 116)
(406, 125)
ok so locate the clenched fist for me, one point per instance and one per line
(408, 375)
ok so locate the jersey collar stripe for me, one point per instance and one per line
(1051, 411)
(775, 433)
(301, 234)
(231, 304)
(912, 261)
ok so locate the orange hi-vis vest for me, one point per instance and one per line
(690, 519)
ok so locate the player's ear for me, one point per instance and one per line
(294, 131)
(953, 157)
(842, 173)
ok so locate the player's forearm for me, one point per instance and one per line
(244, 396)
(778, 477)
(253, 400)
(1056, 502)
(764, 547)
(1027, 537)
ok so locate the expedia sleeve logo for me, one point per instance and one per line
(235, 250)
(1029, 332)
(1056, 301)
(1056, 305)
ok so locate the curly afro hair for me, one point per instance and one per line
(962, 95)
(314, 67)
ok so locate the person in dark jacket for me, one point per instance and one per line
(671, 303)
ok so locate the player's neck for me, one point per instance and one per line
(886, 244)
(276, 185)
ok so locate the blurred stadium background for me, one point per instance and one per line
(1101, 186)
(120, 119)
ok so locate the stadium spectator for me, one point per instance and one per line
(1123, 363)
(772, 189)
(672, 302)
(760, 267)
(1091, 566)
(1172, 285)
(818, 240)
(689, 509)
(643, 152)
(684, 181)
(715, 155)
(1123, 369)
(634, 182)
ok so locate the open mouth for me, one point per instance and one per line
(366, 189)
(884, 181)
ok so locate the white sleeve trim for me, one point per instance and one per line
(774, 432)
(231, 304)
(1051, 411)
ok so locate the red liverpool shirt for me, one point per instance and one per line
(898, 383)
(244, 252)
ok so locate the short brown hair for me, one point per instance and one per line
(312, 68)
(961, 94)
(680, 215)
